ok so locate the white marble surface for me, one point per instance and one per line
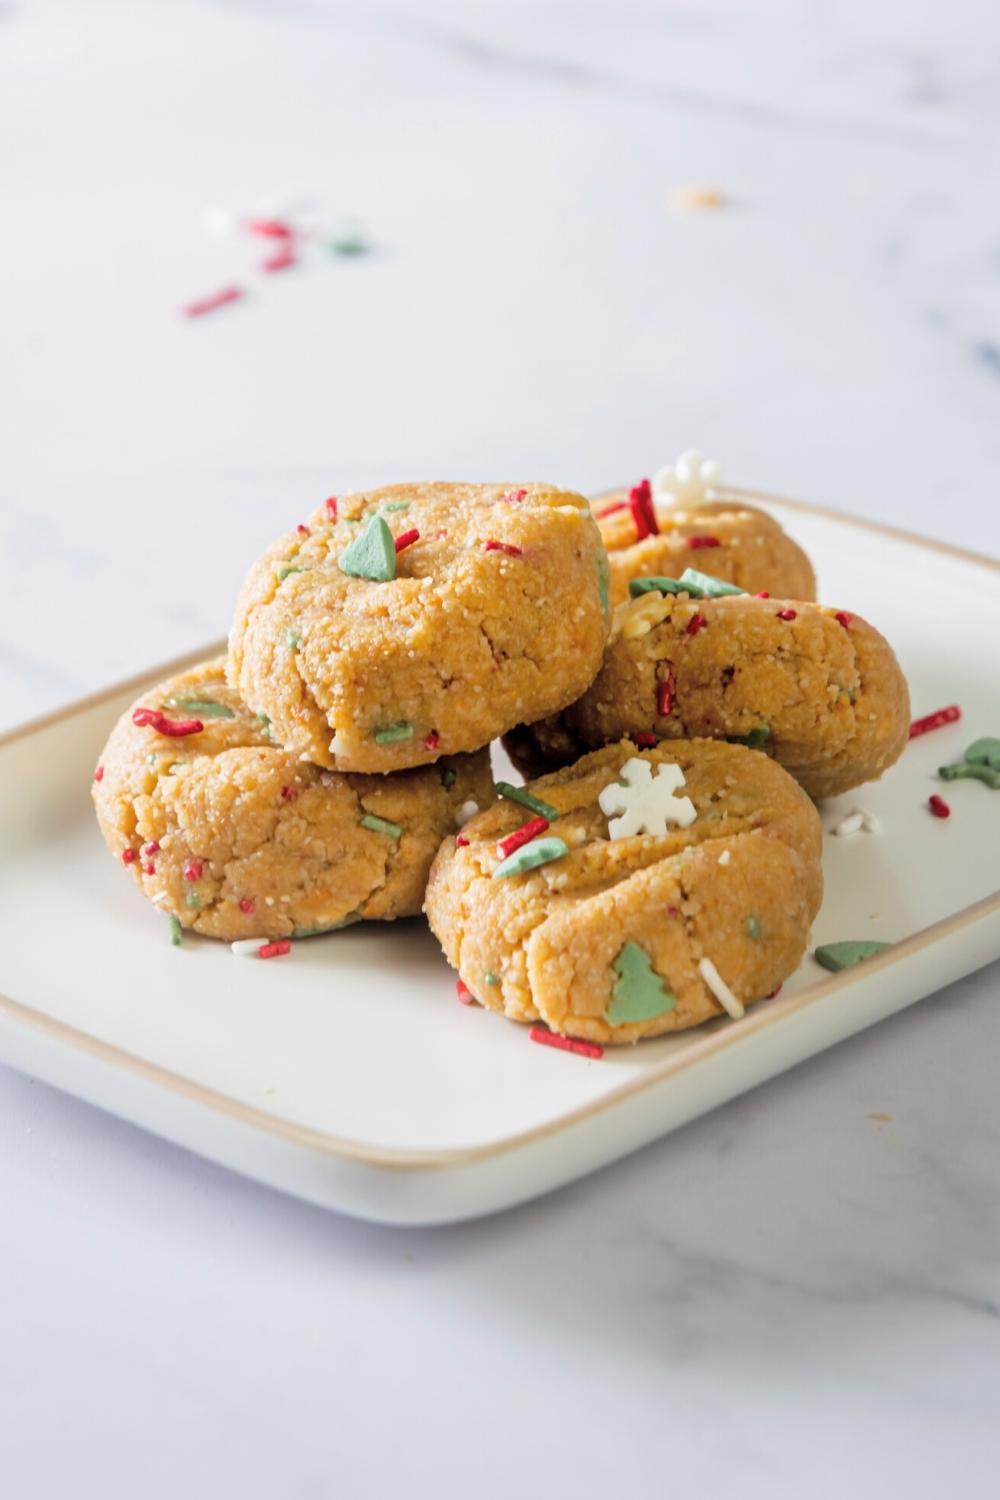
(789, 1298)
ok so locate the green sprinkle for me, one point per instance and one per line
(975, 772)
(447, 777)
(518, 794)
(707, 587)
(639, 993)
(393, 732)
(837, 956)
(639, 586)
(203, 708)
(293, 640)
(265, 724)
(372, 554)
(349, 244)
(381, 825)
(759, 735)
(985, 752)
(491, 979)
(393, 507)
(284, 572)
(538, 852)
(193, 901)
(152, 758)
(752, 928)
(604, 582)
(176, 932)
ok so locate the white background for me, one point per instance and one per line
(787, 1298)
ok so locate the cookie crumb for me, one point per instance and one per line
(698, 200)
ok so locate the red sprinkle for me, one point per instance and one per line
(774, 994)
(99, 774)
(215, 299)
(640, 503)
(565, 1043)
(461, 842)
(149, 869)
(494, 546)
(939, 806)
(302, 529)
(248, 905)
(281, 260)
(787, 614)
(935, 720)
(843, 618)
(513, 497)
(645, 741)
(665, 696)
(271, 229)
(288, 794)
(175, 728)
(407, 539)
(331, 507)
(762, 595)
(192, 870)
(465, 995)
(694, 624)
(432, 740)
(129, 856)
(522, 835)
(610, 510)
(153, 847)
(703, 541)
(274, 950)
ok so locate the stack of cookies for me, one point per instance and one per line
(665, 865)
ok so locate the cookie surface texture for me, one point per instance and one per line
(608, 942)
(496, 612)
(731, 538)
(818, 689)
(239, 838)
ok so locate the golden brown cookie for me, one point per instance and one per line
(493, 611)
(818, 689)
(622, 933)
(236, 837)
(727, 537)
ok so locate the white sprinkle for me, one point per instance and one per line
(688, 483)
(160, 895)
(268, 900)
(720, 988)
(724, 857)
(246, 947)
(466, 811)
(336, 745)
(854, 821)
(645, 803)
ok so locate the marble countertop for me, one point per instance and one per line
(790, 1297)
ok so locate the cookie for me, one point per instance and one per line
(733, 539)
(492, 611)
(679, 883)
(222, 828)
(818, 689)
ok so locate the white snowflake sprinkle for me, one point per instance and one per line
(687, 483)
(645, 804)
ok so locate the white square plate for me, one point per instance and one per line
(348, 1074)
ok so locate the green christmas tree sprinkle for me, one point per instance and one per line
(639, 993)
